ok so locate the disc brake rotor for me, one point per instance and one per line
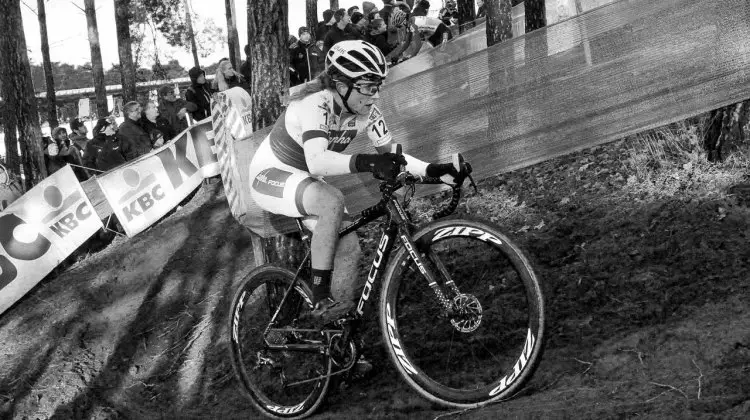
(467, 313)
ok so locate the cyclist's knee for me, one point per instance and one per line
(324, 201)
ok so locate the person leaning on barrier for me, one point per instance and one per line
(449, 14)
(134, 139)
(198, 95)
(433, 31)
(172, 109)
(409, 40)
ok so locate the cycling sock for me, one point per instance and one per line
(321, 284)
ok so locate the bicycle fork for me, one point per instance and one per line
(419, 261)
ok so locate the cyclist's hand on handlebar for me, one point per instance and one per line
(383, 166)
(450, 173)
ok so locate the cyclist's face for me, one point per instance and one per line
(362, 97)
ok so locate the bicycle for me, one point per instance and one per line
(461, 313)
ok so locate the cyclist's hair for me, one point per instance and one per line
(322, 82)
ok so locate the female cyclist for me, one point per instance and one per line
(307, 143)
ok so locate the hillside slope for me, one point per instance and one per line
(646, 267)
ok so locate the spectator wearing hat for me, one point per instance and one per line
(359, 24)
(172, 109)
(78, 133)
(104, 151)
(368, 8)
(351, 10)
(341, 31)
(306, 58)
(198, 95)
(325, 25)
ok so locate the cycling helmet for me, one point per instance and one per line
(398, 18)
(356, 60)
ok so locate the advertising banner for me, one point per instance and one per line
(143, 191)
(39, 230)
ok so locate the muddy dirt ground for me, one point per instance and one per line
(648, 298)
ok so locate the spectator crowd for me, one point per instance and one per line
(401, 30)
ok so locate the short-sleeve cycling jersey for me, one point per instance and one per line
(318, 115)
(432, 29)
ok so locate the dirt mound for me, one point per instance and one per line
(648, 298)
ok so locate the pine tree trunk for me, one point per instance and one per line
(96, 59)
(466, 15)
(268, 31)
(191, 34)
(499, 21)
(125, 51)
(312, 16)
(233, 39)
(726, 130)
(535, 15)
(18, 92)
(48, 77)
(335, 5)
(12, 159)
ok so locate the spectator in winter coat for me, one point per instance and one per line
(378, 36)
(198, 95)
(78, 135)
(359, 23)
(449, 14)
(306, 58)
(52, 159)
(481, 11)
(68, 153)
(134, 139)
(172, 109)
(104, 151)
(325, 25)
(341, 31)
(157, 127)
(246, 70)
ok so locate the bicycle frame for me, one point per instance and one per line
(397, 225)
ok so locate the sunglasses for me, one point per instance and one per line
(368, 89)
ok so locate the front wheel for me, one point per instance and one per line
(281, 383)
(488, 346)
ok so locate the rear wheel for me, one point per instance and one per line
(271, 377)
(488, 347)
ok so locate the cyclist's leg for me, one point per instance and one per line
(346, 282)
(325, 202)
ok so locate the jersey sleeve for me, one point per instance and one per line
(377, 131)
(314, 124)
